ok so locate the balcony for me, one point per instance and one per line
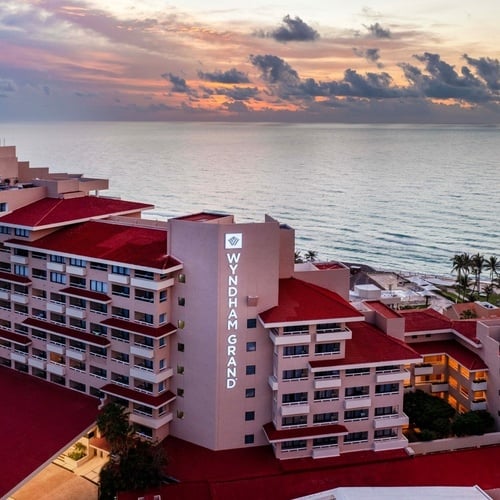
(332, 334)
(439, 387)
(327, 383)
(479, 385)
(148, 375)
(37, 363)
(76, 270)
(478, 404)
(150, 284)
(19, 298)
(152, 422)
(395, 420)
(325, 451)
(273, 382)
(391, 443)
(56, 307)
(56, 266)
(142, 350)
(19, 259)
(121, 279)
(357, 402)
(392, 376)
(4, 294)
(294, 409)
(56, 369)
(289, 339)
(76, 354)
(56, 348)
(424, 370)
(18, 356)
(76, 312)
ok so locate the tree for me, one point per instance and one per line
(478, 262)
(311, 255)
(113, 423)
(473, 423)
(493, 265)
(461, 263)
(463, 285)
(298, 257)
(468, 314)
(488, 290)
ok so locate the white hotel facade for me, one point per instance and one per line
(203, 328)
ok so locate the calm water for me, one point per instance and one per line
(399, 197)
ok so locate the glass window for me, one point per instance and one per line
(249, 415)
(250, 370)
(98, 286)
(252, 323)
(250, 392)
(251, 346)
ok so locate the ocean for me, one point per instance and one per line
(400, 197)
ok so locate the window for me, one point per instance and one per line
(295, 420)
(180, 347)
(77, 262)
(120, 270)
(356, 437)
(356, 414)
(162, 318)
(21, 232)
(252, 323)
(294, 397)
(295, 374)
(180, 414)
(145, 275)
(21, 270)
(326, 394)
(325, 418)
(40, 274)
(330, 348)
(3, 207)
(97, 307)
(122, 291)
(251, 346)
(57, 258)
(120, 312)
(250, 370)
(181, 278)
(386, 388)
(98, 286)
(58, 278)
(21, 252)
(297, 444)
(4, 230)
(296, 350)
(250, 392)
(181, 301)
(249, 438)
(357, 371)
(180, 369)
(325, 441)
(327, 374)
(163, 296)
(385, 410)
(296, 330)
(180, 392)
(144, 295)
(384, 433)
(98, 266)
(77, 282)
(249, 415)
(352, 392)
(39, 255)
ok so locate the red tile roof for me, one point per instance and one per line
(370, 345)
(86, 294)
(467, 328)
(452, 348)
(323, 266)
(55, 211)
(202, 217)
(139, 397)
(134, 245)
(148, 331)
(275, 435)
(38, 421)
(64, 331)
(302, 302)
(14, 278)
(382, 309)
(421, 320)
(14, 337)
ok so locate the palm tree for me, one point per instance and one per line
(461, 263)
(488, 290)
(463, 285)
(478, 262)
(113, 423)
(493, 265)
(298, 257)
(311, 255)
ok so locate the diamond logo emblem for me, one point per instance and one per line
(233, 240)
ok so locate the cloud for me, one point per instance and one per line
(239, 93)
(231, 76)
(488, 69)
(7, 86)
(293, 30)
(236, 107)
(178, 83)
(377, 31)
(274, 69)
(371, 55)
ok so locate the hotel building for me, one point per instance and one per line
(202, 327)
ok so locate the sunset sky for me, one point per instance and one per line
(431, 61)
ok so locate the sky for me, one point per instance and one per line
(389, 61)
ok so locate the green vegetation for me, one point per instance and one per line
(79, 451)
(433, 418)
(134, 464)
(468, 282)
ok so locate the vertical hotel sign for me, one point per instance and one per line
(233, 242)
